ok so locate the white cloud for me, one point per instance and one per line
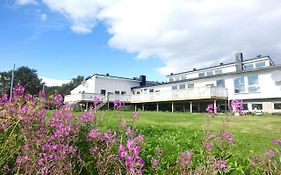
(25, 2)
(53, 82)
(182, 33)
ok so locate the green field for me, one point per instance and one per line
(181, 131)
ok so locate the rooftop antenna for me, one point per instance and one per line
(12, 83)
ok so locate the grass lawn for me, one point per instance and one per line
(182, 131)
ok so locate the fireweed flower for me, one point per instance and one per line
(223, 164)
(19, 90)
(154, 163)
(209, 147)
(94, 150)
(227, 137)
(237, 105)
(213, 160)
(158, 150)
(86, 117)
(5, 168)
(277, 142)
(58, 99)
(42, 93)
(4, 99)
(210, 108)
(184, 158)
(136, 115)
(118, 104)
(123, 124)
(96, 100)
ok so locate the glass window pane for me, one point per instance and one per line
(202, 74)
(277, 105)
(183, 77)
(260, 64)
(220, 83)
(177, 79)
(171, 79)
(239, 85)
(253, 80)
(182, 86)
(245, 106)
(174, 87)
(249, 66)
(256, 106)
(209, 73)
(190, 86)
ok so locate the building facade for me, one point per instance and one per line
(256, 81)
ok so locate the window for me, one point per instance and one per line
(151, 90)
(138, 92)
(202, 74)
(256, 106)
(145, 91)
(220, 83)
(182, 86)
(171, 79)
(210, 73)
(174, 87)
(277, 106)
(253, 83)
(245, 106)
(117, 92)
(123, 92)
(183, 77)
(239, 85)
(190, 85)
(177, 79)
(157, 91)
(218, 71)
(210, 85)
(249, 66)
(103, 92)
(260, 64)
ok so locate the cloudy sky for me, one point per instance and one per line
(65, 38)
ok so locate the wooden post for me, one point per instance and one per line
(190, 106)
(87, 106)
(142, 107)
(172, 106)
(157, 107)
(135, 107)
(215, 106)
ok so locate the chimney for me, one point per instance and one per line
(221, 64)
(107, 74)
(194, 69)
(239, 60)
(143, 80)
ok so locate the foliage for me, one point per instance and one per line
(33, 142)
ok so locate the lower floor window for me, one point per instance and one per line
(277, 105)
(256, 106)
(245, 106)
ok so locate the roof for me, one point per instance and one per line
(275, 67)
(217, 66)
(112, 76)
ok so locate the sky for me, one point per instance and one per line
(66, 38)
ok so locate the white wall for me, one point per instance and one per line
(111, 84)
(87, 87)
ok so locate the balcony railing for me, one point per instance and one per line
(181, 94)
(89, 97)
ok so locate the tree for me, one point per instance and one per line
(29, 79)
(5, 80)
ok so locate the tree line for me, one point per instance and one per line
(28, 78)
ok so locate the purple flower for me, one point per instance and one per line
(154, 163)
(184, 158)
(237, 105)
(94, 150)
(158, 150)
(228, 137)
(96, 100)
(209, 147)
(277, 142)
(223, 164)
(123, 124)
(136, 115)
(5, 168)
(42, 93)
(4, 99)
(213, 160)
(270, 153)
(58, 99)
(210, 108)
(19, 90)
(118, 104)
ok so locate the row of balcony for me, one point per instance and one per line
(172, 95)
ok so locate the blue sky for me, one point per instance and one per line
(62, 39)
(55, 51)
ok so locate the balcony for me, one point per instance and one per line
(89, 97)
(181, 94)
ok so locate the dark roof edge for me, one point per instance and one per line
(113, 76)
(227, 64)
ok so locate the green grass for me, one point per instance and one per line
(253, 134)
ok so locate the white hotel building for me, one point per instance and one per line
(256, 81)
